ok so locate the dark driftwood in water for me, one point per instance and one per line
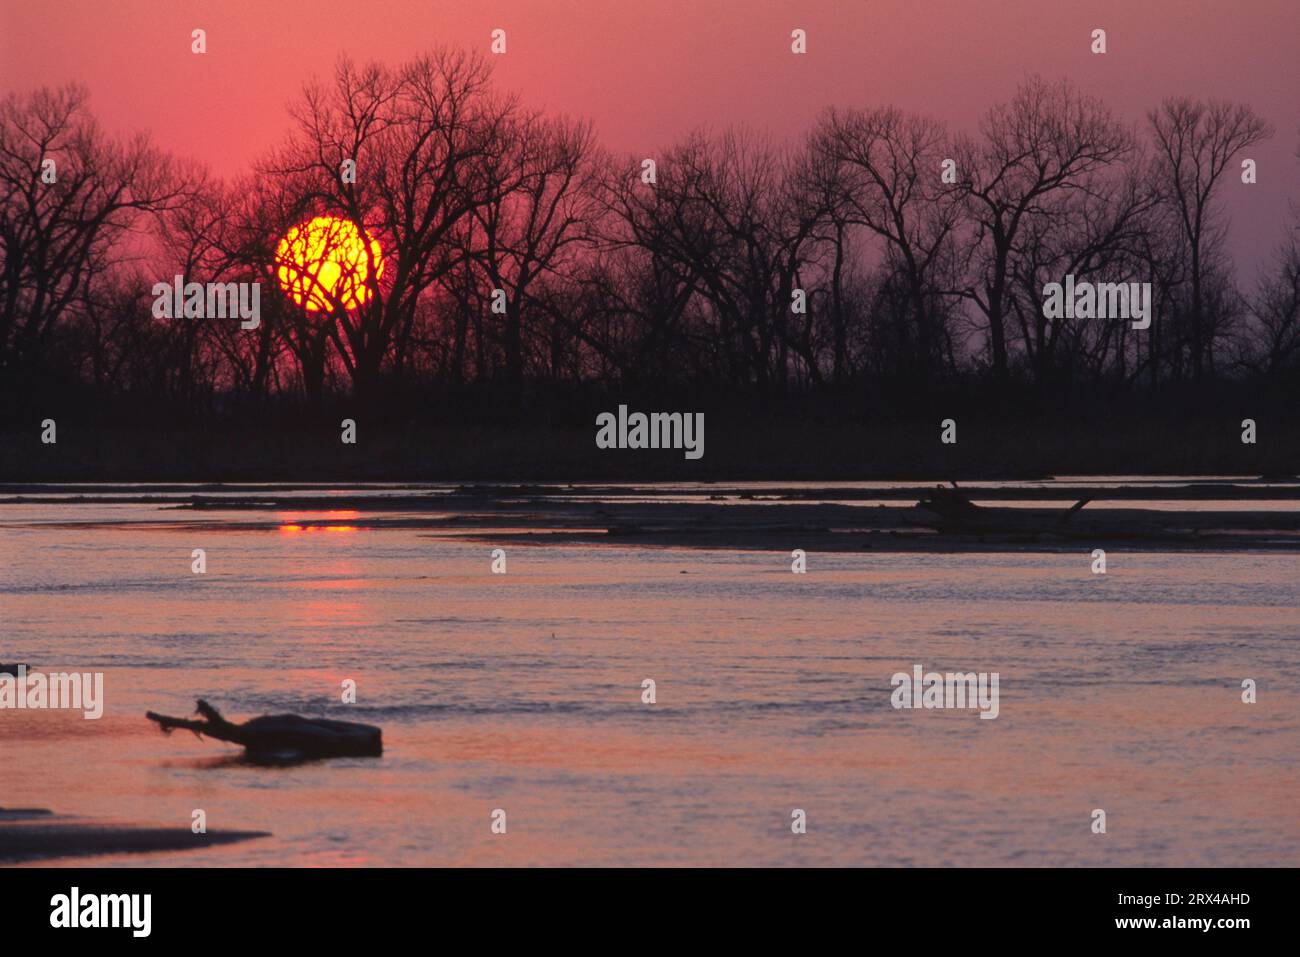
(282, 734)
(959, 516)
(957, 513)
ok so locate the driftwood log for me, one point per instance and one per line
(281, 735)
(957, 513)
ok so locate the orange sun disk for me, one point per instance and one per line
(323, 264)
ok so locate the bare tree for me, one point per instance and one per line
(537, 222)
(422, 138)
(724, 222)
(1196, 141)
(1046, 144)
(1098, 233)
(885, 176)
(68, 195)
(1276, 307)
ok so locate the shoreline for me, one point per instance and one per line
(895, 518)
(29, 835)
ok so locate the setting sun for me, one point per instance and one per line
(323, 264)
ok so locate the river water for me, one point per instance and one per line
(523, 692)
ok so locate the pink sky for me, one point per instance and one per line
(646, 73)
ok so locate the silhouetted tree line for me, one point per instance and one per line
(909, 281)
